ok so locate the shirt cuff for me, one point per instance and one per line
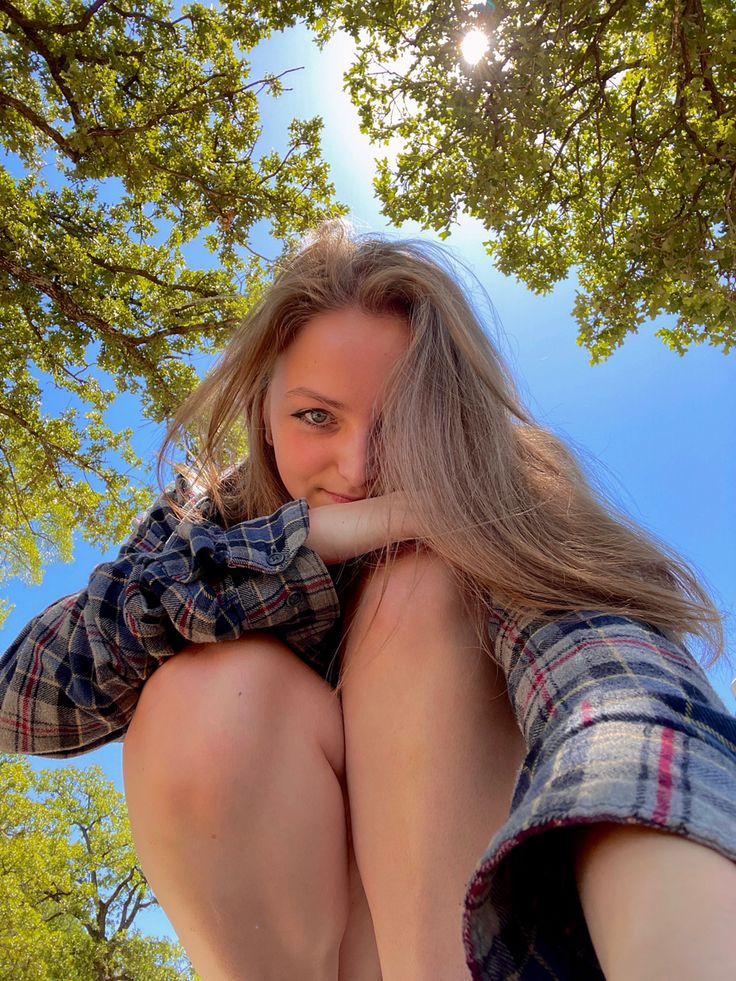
(621, 725)
(216, 584)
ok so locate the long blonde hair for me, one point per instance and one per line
(500, 499)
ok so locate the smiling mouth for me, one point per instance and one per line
(341, 497)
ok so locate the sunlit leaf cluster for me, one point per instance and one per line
(71, 890)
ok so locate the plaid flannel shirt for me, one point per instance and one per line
(620, 723)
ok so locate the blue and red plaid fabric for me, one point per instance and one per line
(71, 680)
(620, 723)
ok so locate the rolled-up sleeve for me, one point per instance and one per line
(71, 680)
(622, 725)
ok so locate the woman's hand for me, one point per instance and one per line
(339, 532)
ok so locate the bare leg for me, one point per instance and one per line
(432, 750)
(232, 768)
(358, 951)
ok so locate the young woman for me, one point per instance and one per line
(401, 696)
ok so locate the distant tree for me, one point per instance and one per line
(70, 885)
(594, 136)
(130, 128)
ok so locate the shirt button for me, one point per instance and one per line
(275, 558)
(295, 598)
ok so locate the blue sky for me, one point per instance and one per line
(657, 429)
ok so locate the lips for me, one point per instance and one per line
(340, 498)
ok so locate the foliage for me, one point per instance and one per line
(130, 130)
(70, 885)
(599, 136)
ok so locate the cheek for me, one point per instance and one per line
(297, 456)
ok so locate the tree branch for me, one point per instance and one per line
(40, 123)
(177, 110)
(600, 26)
(181, 330)
(204, 298)
(145, 274)
(633, 141)
(78, 25)
(71, 309)
(128, 918)
(54, 65)
(119, 888)
(49, 448)
(125, 922)
(602, 78)
(135, 15)
(717, 100)
(20, 513)
(292, 149)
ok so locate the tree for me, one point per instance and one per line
(129, 132)
(599, 136)
(70, 884)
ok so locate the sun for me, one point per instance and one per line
(474, 45)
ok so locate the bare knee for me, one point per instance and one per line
(215, 712)
(416, 587)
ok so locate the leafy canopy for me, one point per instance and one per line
(70, 885)
(598, 136)
(594, 135)
(130, 130)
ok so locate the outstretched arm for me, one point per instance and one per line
(624, 734)
(339, 532)
(657, 905)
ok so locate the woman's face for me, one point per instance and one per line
(324, 398)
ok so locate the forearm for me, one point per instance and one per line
(339, 532)
(658, 906)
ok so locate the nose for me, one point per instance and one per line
(351, 464)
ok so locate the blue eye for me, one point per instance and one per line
(311, 412)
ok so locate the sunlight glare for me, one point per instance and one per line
(474, 45)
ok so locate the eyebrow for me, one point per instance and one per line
(333, 403)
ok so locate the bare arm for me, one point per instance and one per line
(658, 906)
(339, 532)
